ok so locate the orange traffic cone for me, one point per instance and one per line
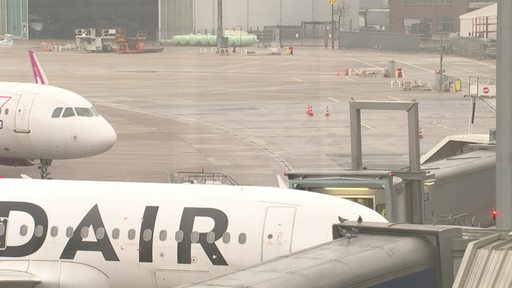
(338, 73)
(420, 134)
(327, 113)
(310, 111)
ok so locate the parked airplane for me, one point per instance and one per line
(67, 234)
(39, 123)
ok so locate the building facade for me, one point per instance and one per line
(433, 16)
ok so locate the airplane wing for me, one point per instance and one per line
(362, 260)
(17, 279)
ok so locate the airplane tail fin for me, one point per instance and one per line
(39, 75)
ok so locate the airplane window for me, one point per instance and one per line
(83, 112)
(100, 233)
(95, 112)
(163, 235)
(115, 233)
(131, 234)
(23, 230)
(226, 237)
(210, 237)
(56, 112)
(146, 235)
(84, 232)
(2, 228)
(242, 238)
(69, 232)
(54, 231)
(179, 236)
(194, 237)
(68, 112)
(38, 232)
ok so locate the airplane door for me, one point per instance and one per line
(277, 232)
(21, 120)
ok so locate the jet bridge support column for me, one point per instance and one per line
(414, 184)
(503, 116)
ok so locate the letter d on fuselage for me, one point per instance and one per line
(40, 228)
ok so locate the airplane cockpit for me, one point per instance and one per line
(65, 112)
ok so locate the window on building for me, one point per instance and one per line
(445, 24)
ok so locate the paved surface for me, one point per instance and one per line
(245, 116)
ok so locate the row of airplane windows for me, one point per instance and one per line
(65, 112)
(131, 234)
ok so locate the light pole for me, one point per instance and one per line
(332, 26)
(441, 62)
(280, 22)
(220, 29)
(332, 2)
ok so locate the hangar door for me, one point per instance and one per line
(176, 17)
(16, 14)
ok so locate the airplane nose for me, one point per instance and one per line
(104, 137)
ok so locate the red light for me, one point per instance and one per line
(494, 213)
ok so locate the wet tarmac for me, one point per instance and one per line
(245, 116)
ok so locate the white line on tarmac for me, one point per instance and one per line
(367, 126)
(366, 63)
(440, 125)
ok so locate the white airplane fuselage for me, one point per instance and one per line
(114, 234)
(31, 128)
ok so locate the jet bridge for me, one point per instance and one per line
(382, 255)
(380, 190)
(362, 255)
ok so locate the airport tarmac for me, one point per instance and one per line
(245, 116)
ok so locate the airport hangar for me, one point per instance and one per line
(57, 19)
(161, 19)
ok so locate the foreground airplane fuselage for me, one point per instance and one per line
(47, 122)
(113, 234)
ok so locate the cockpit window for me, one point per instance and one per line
(68, 112)
(56, 112)
(83, 112)
(95, 112)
